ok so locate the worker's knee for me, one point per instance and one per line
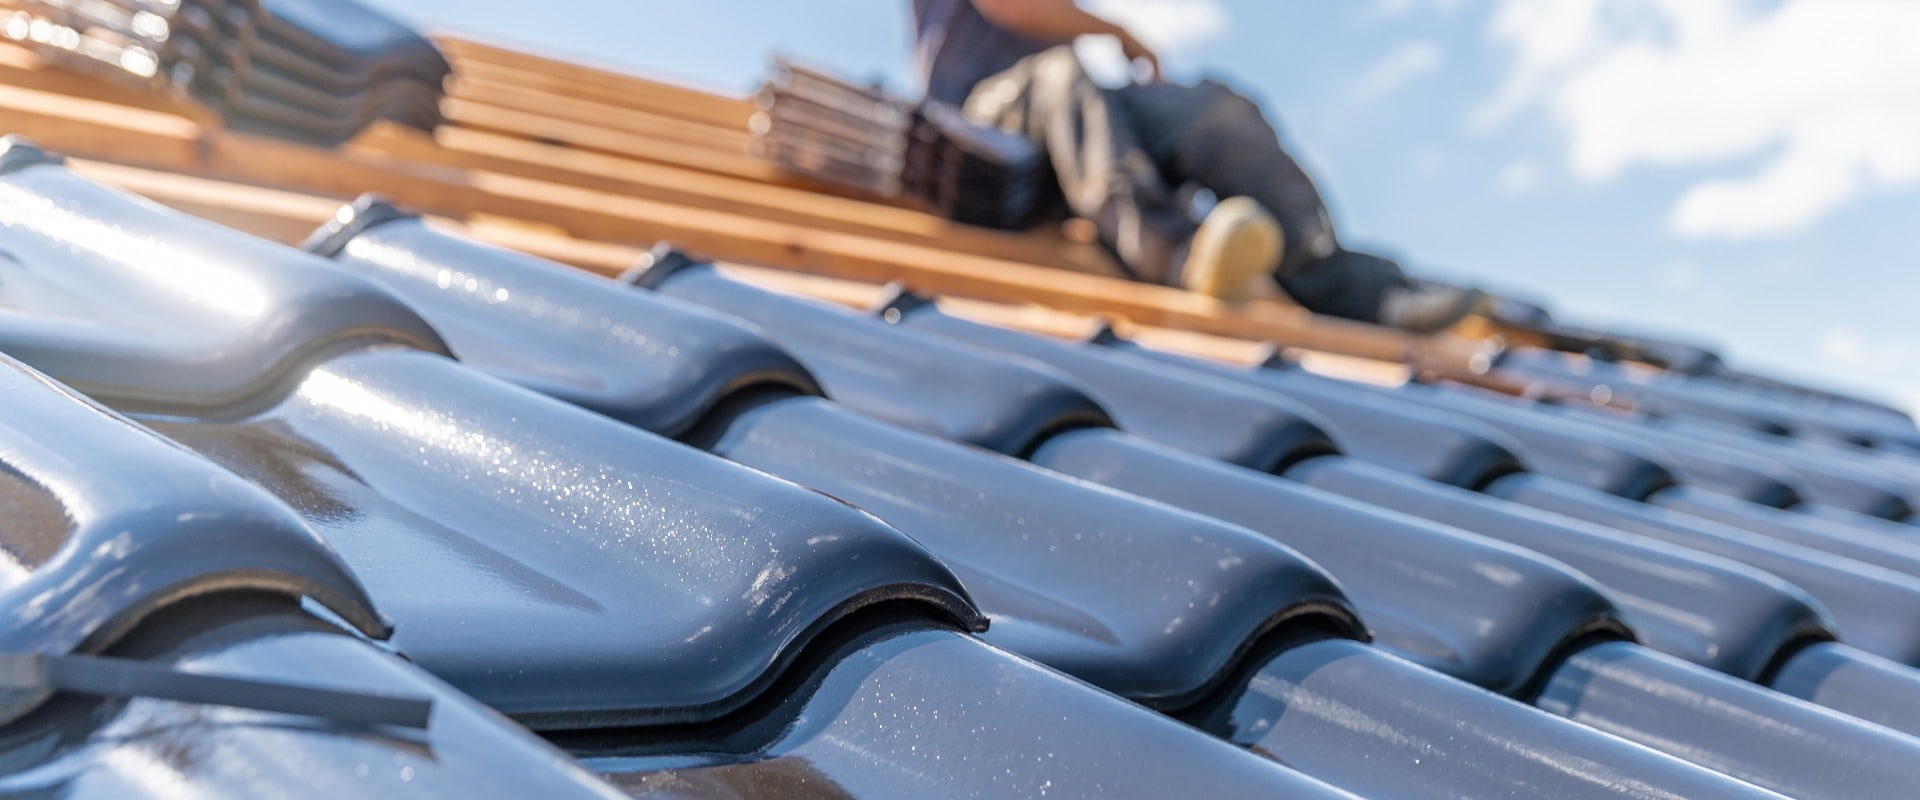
(1057, 72)
(1049, 79)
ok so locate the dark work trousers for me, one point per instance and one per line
(1119, 154)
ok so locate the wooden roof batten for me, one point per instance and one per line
(520, 163)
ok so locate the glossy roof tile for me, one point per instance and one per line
(1897, 552)
(1705, 465)
(1708, 610)
(1764, 469)
(1602, 463)
(108, 523)
(1874, 689)
(1620, 688)
(1487, 613)
(1038, 552)
(1711, 611)
(1837, 481)
(642, 581)
(699, 628)
(1678, 395)
(1493, 632)
(1316, 702)
(889, 470)
(480, 512)
(1789, 623)
(1874, 608)
(1141, 599)
(1006, 404)
(1502, 636)
(527, 320)
(99, 283)
(910, 713)
(84, 748)
(1433, 444)
(1268, 433)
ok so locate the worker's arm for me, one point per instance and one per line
(1062, 21)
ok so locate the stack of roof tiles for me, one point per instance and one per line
(708, 540)
(857, 137)
(314, 71)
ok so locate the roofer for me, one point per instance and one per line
(1120, 154)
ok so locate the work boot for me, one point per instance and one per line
(1428, 308)
(1237, 244)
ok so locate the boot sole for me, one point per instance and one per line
(1237, 244)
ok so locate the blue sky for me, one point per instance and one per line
(1738, 172)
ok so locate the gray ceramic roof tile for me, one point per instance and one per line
(1679, 395)
(584, 574)
(1705, 465)
(1485, 612)
(527, 320)
(85, 748)
(1708, 610)
(642, 581)
(1142, 599)
(1433, 444)
(904, 715)
(106, 523)
(1269, 431)
(1425, 587)
(1006, 404)
(149, 309)
(1038, 551)
(1874, 608)
(1711, 611)
(1316, 702)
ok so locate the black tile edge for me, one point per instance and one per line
(659, 264)
(1104, 335)
(365, 212)
(19, 152)
(900, 301)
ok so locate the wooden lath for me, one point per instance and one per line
(289, 217)
(599, 209)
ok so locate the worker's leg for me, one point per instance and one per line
(1212, 136)
(1345, 284)
(1106, 175)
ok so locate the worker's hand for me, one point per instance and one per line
(1137, 52)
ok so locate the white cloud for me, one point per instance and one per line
(1405, 63)
(1173, 28)
(1518, 177)
(1817, 100)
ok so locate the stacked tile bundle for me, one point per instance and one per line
(858, 137)
(712, 541)
(830, 130)
(976, 174)
(312, 71)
